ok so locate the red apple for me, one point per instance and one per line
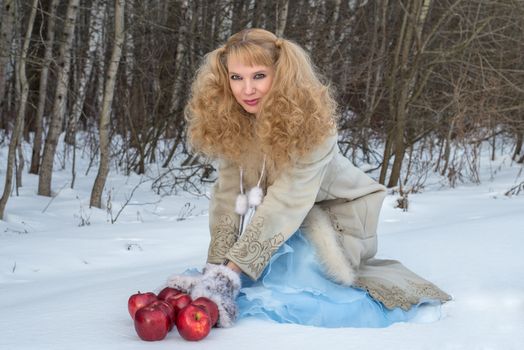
(210, 307)
(151, 323)
(167, 308)
(179, 301)
(139, 300)
(167, 292)
(193, 322)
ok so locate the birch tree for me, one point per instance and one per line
(59, 105)
(282, 8)
(96, 21)
(24, 92)
(180, 79)
(105, 114)
(95, 34)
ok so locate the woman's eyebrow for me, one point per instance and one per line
(258, 71)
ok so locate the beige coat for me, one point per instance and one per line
(335, 205)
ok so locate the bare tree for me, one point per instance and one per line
(105, 114)
(6, 30)
(96, 20)
(59, 105)
(24, 91)
(42, 90)
(95, 30)
(404, 78)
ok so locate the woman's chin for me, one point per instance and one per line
(251, 109)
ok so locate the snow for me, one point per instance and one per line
(66, 272)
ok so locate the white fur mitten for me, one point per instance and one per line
(222, 285)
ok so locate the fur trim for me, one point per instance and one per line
(184, 283)
(216, 271)
(227, 312)
(221, 285)
(255, 196)
(319, 230)
(241, 204)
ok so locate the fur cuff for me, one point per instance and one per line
(221, 285)
(220, 271)
(184, 282)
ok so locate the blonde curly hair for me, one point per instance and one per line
(296, 115)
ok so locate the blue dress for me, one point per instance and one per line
(293, 289)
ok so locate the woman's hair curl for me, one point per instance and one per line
(296, 115)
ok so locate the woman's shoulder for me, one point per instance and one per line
(326, 148)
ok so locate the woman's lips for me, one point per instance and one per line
(251, 102)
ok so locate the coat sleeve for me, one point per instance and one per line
(287, 202)
(223, 220)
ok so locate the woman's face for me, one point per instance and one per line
(249, 83)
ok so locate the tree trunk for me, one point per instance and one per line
(59, 105)
(17, 130)
(100, 72)
(447, 147)
(402, 101)
(408, 71)
(179, 83)
(6, 30)
(42, 91)
(103, 169)
(176, 98)
(385, 160)
(518, 145)
(96, 21)
(21, 161)
(282, 9)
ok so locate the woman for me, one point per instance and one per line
(292, 221)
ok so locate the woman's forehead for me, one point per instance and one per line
(251, 55)
(234, 64)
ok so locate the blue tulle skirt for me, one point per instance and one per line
(293, 289)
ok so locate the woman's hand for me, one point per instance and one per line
(220, 283)
(184, 282)
(234, 267)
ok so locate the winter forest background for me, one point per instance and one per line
(429, 81)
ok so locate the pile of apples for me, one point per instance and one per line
(156, 315)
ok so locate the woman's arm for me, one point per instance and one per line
(282, 211)
(223, 221)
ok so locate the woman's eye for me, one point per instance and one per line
(260, 76)
(235, 77)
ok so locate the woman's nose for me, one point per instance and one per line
(249, 88)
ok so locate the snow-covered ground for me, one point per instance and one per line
(66, 272)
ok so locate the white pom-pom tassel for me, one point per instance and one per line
(241, 204)
(255, 196)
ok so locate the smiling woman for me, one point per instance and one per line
(243, 90)
(303, 237)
